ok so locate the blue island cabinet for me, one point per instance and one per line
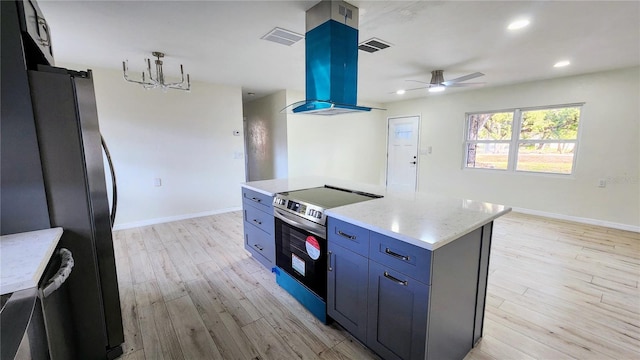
(347, 276)
(257, 209)
(419, 304)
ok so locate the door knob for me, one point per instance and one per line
(412, 162)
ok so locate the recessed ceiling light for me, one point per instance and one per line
(562, 63)
(518, 24)
(436, 89)
(400, 92)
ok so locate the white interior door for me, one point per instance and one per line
(402, 153)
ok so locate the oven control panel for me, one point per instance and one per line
(311, 212)
(315, 213)
(296, 207)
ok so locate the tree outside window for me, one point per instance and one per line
(533, 140)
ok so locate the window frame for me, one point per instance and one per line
(515, 141)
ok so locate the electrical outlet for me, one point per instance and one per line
(157, 182)
(426, 151)
(602, 183)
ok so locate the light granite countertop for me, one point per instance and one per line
(426, 220)
(272, 187)
(24, 257)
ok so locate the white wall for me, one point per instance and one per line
(186, 139)
(266, 137)
(608, 147)
(348, 146)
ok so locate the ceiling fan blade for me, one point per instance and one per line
(463, 78)
(421, 82)
(420, 88)
(466, 84)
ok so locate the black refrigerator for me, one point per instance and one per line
(69, 138)
(53, 174)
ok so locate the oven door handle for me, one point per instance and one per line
(286, 218)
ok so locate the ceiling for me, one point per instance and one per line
(219, 41)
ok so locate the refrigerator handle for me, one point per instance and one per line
(114, 204)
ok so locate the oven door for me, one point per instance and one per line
(301, 251)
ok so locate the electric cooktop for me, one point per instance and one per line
(311, 203)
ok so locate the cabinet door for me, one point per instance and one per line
(397, 319)
(347, 280)
(23, 200)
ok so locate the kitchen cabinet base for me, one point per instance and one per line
(420, 304)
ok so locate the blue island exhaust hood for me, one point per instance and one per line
(331, 60)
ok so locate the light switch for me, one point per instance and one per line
(157, 182)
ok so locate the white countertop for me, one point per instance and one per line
(24, 257)
(425, 220)
(422, 219)
(272, 187)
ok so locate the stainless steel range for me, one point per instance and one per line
(301, 241)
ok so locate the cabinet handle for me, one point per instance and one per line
(258, 247)
(256, 199)
(257, 221)
(329, 261)
(396, 255)
(395, 279)
(350, 237)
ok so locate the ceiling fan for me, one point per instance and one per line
(437, 82)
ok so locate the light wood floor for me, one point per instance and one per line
(557, 290)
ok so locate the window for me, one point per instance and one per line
(535, 140)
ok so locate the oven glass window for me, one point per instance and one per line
(303, 256)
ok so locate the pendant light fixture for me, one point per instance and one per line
(157, 81)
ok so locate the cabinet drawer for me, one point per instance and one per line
(258, 218)
(260, 244)
(257, 199)
(349, 236)
(401, 256)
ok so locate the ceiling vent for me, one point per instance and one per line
(283, 36)
(373, 45)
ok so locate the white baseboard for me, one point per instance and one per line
(577, 219)
(136, 224)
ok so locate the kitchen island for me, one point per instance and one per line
(406, 273)
(23, 260)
